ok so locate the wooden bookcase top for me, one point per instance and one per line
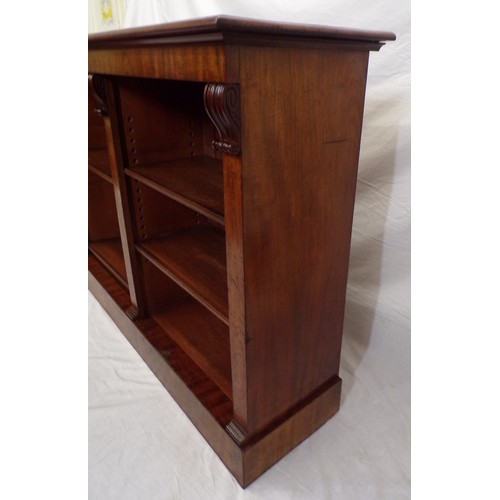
(230, 28)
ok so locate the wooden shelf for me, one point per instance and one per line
(202, 337)
(195, 258)
(196, 182)
(110, 254)
(99, 163)
(152, 340)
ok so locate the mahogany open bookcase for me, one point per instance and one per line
(223, 158)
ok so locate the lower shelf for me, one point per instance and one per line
(195, 258)
(110, 253)
(203, 337)
(204, 403)
(153, 339)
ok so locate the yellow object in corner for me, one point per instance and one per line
(107, 11)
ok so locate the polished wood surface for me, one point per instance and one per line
(206, 62)
(103, 220)
(173, 367)
(223, 157)
(195, 258)
(233, 24)
(298, 186)
(196, 182)
(99, 163)
(201, 399)
(110, 254)
(202, 337)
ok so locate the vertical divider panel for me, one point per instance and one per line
(233, 201)
(117, 159)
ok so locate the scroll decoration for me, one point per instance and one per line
(98, 87)
(222, 103)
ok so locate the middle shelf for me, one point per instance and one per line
(195, 182)
(202, 337)
(194, 258)
(110, 254)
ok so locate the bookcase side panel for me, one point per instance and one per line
(302, 113)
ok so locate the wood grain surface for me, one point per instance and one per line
(222, 179)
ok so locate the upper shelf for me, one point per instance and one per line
(196, 182)
(235, 28)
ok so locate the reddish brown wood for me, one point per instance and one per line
(236, 260)
(195, 259)
(162, 120)
(110, 253)
(123, 202)
(266, 449)
(236, 291)
(202, 336)
(298, 184)
(222, 103)
(103, 222)
(183, 31)
(97, 133)
(204, 403)
(155, 214)
(167, 360)
(206, 62)
(97, 86)
(99, 164)
(196, 182)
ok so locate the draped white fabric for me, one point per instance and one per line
(142, 446)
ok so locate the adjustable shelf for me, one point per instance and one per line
(195, 258)
(110, 254)
(196, 182)
(223, 158)
(203, 338)
(201, 335)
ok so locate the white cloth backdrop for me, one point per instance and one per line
(142, 446)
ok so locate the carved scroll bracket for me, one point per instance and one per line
(98, 88)
(222, 103)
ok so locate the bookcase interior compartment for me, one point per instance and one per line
(97, 152)
(168, 137)
(186, 246)
(104, 232)
(202, 336)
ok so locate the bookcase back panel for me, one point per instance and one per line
(156, 214)
(164, 120)
(102, 217)
(161, 292)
